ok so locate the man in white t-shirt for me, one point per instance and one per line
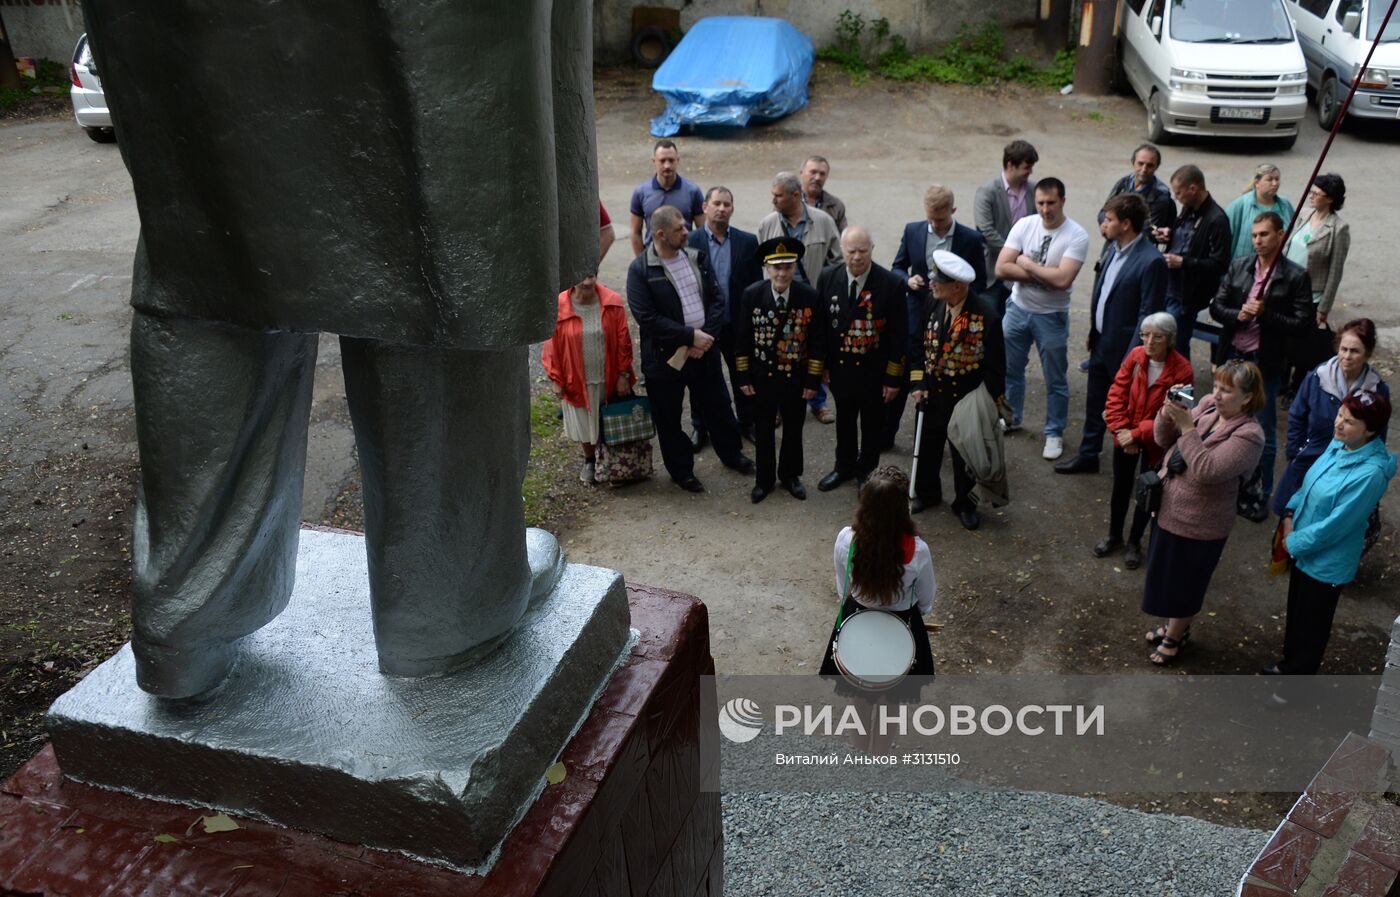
(1042, 256)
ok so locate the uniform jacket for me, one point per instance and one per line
(1207, 256)
(1133, 405)
(562, 355)
(1288, 310)
(1330, 510)
(1139, 289)
(866, 342)
(656, 306)
(971, 353)
(784, 351)
(992, 213)
(1327, 257)
(295, 170)
(1200, 503)
(744, 268)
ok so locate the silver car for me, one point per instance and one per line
(89, 105)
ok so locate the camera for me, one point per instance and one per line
(1183, 395)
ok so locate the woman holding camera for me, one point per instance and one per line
(1324, 526)
(1314, 410)
(1211, 449)
(1130, 410)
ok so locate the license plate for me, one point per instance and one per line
(1241, 113)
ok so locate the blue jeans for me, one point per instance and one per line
(1050, 333)
(1185, 323)
(818, 400)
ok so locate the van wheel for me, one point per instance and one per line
(1287, 142)
(1328, 103)
(101, 135)
(1156, 130)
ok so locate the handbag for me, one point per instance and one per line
(1279, 559)
(624, 462)
(627, 420)
(1148, 492)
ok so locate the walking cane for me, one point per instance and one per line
(918, 441)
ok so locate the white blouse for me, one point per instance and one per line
(917, 586)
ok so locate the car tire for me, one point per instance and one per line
(1156, 128)
(1286, 143)
(1328, 103)
(101, 135)
(650, 46)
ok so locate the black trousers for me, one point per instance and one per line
(1126, 469)
(894, 413)
(767, 404)
(1095, 396)
(928, 485)
(706, 384)
(860, 409)
(743, 405)
(1311, 606)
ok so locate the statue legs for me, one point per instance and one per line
(442, 437)
(221, 416)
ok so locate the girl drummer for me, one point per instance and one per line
(882, 564)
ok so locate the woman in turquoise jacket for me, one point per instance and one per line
(1325, 526)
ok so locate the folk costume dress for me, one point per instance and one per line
(780, 350)
(950, 356)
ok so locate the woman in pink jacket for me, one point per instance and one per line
(1210, 449)
(1130, 411)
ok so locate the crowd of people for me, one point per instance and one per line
(804, 321)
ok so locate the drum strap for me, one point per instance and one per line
(846, 592)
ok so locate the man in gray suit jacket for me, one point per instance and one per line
(1000, 203)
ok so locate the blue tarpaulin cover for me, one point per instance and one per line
(729, 69)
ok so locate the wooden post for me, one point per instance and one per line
(9, 75)
(1094, 61)
(1052, 24)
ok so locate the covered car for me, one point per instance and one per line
(729, 70)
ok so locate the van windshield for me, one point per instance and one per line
(1375, 16)
(1230, 22)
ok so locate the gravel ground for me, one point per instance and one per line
(1006, 844)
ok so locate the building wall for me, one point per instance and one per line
(923, 23)
(43, 28)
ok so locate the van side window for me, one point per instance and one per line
(1136, 6)
(1158, 7)
(1315, 7)
(1347, 6)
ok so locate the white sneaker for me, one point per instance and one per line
(589, 473)
(1054, 448)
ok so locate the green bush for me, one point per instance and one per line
(47, 73)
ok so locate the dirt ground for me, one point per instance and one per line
(1023, 594)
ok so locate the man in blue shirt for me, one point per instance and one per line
(665, 188)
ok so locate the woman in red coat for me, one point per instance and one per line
(589, 355)
(1133, 401)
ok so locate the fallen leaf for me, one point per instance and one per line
(555, 774)
(166, 839)
(218, 823)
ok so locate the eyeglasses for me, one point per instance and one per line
(1151, 335)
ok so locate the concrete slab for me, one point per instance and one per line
(307, 732)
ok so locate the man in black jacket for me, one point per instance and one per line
(1256, 322)
(1198, 252)
(780, 357)
(672, 294)
(865, 346)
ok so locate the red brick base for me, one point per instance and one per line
(629, 819)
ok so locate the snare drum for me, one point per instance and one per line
(873, 649)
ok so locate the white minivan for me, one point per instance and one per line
(1215, 67)
(1336, 35)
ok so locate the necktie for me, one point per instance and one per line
(781, 300)
(855, 292)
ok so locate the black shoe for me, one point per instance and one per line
(744, 464)
(795, 488)
(1079, 464)
(969, 520)
(1107, 547)
(832, 480)
(1271, 670)
(698, 440)
(919, 505)
(746, 431)
(758, 494)
(690, 484)
(1132, 556)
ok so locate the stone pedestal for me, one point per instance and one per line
(307, 732)
(628, 820)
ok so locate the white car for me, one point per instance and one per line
(1335, 44)
(1215, 67)
(89, 104)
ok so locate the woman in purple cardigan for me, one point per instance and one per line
(1209, 450)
